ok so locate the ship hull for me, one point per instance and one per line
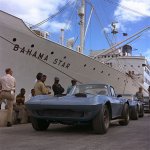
(27, 54)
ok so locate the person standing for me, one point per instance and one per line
(44, 77)
(8, 83)
(2, 101)
(39, 87)
(139, 94)
(57, 88)
(73, 83)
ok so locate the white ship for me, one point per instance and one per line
(27, 54)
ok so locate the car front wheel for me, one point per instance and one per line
(39, 124)
(101, 121)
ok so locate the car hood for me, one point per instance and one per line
(64, 100)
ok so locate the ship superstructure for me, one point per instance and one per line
(136, 67)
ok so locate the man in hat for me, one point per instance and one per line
(57, 88)
(73, 84)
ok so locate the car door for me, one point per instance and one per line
(116, 103)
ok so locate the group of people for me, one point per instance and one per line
(41, 89)
(18, 109)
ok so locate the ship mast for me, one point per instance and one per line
(81, 14)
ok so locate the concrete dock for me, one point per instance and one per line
(135, 136)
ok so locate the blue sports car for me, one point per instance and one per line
(95, 104)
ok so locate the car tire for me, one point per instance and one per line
(134, 113)
(101, 121)
(39, 124)
(141, 114)
(125, 115)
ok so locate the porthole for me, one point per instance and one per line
(32, 45)
(14, 39)
(143, 65)
(52, 53)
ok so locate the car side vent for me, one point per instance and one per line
(80, 95)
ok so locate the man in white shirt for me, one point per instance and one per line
(8, 84)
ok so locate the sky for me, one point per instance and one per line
(130, 16)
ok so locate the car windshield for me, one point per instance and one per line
(90, 89)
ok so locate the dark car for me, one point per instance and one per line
(94, 104)
(136, 106)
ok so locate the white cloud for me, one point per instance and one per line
(55, 26)
(141, 6)
(34, 11)
(107, 29)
